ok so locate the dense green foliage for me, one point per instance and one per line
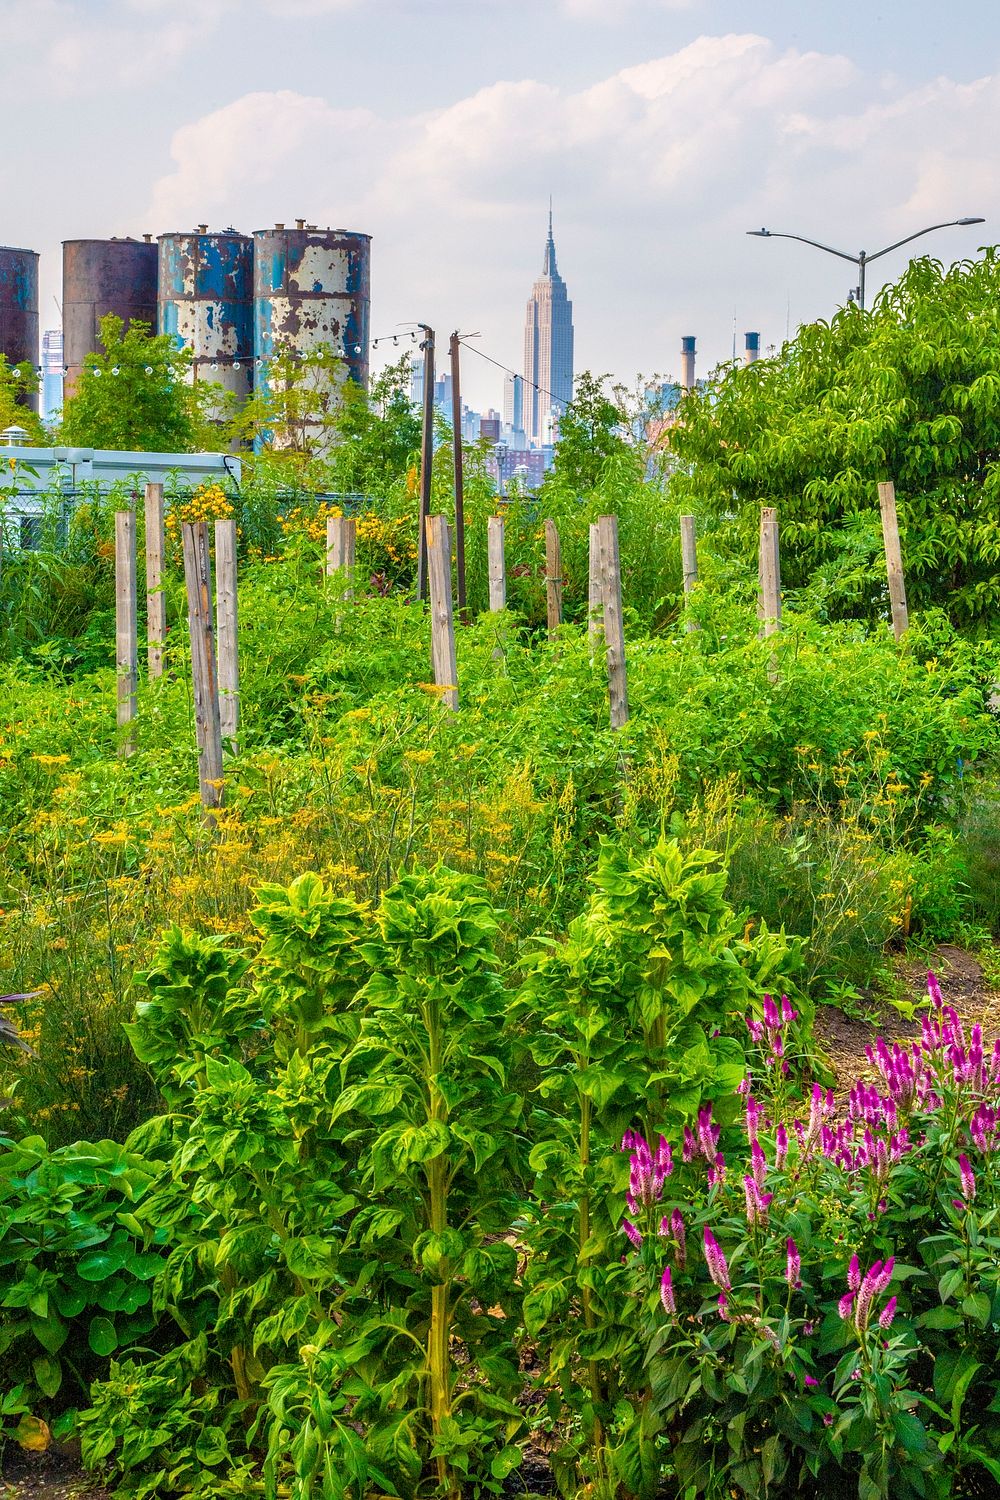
(133, 396)
(908, 392)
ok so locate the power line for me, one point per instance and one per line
(508, 371)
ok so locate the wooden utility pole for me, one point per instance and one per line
(769, 571)
(497, 563)
(442, 620)
(226, 629)
(893, 560)
(126, 627)
(198, 579)
(553, 578)
(426, 458)
(456, 443)
(614, 625)
(156, 603)
(689, 562)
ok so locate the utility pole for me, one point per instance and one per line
(426, 457)
(456, 442)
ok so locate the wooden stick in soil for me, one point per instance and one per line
(893, 560)
(126, 624)
(614, 626)
(497, 563)
(769, 571)
(156, 603)
(442, 619)
(198, 580)
(341, 546)
(689, 563)
(595, 597)
(553, 578)
(226, 626)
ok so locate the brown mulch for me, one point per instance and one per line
(46, 1476)
(844, 1038)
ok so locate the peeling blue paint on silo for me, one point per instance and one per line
(206, 303)
(19, 310)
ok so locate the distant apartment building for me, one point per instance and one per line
(548, 352)
(52, 373)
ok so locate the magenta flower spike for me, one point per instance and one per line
(887, 1314)
(634, 1234)
(854, 1274)
(846, 1306)
(679, 1237)
(793, 1263)
(758, 1164)
(780, 1147)
(968, 1178)
(718, 1268)
(667, 1292)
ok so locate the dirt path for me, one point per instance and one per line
(46, 1476)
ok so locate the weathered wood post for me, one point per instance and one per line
(156, 603)
(689, 563)
(341, 546)
(126, 624)
(226, 629)
(495, 529)
(204, 676)
(443, 655)
(553, 578)
(614, 626)
(893, 560)
(769, 571)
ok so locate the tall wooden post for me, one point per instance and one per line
(198, 580)
(426, 458)
(156, 603)
(226, 629)
(595, 596)
(497, 563)
(769, 572)
(126, 625)
(456, 442)
(893, 560)
(341, 546)
(443, 654)
(553, 578)
(689, 562)
(614, 625)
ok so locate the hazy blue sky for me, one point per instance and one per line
(663, 129)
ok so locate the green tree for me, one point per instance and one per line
(16, 383)
(378, 433)
(134, 396)
(294, 411)
(595, 427)
(909, 391)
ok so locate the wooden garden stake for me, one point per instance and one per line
(553, 577)
(341, 540)
(156, 604)
(497, 562)
(226, 630)
(893, 560)
(689, 563)
(595, 597)
(614, 627)
(126, 625)
(442, 619)
(198, 579)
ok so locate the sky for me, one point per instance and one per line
(663, 130)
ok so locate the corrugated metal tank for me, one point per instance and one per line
(101, 277)
(312, 286)
(206, 303)
(19, 309)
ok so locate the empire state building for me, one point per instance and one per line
(548, 351)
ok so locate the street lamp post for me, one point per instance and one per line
(862, 259)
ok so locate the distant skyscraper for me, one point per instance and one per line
(548, 350)
(52, 373)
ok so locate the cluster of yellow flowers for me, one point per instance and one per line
(312, 523)
(208, 503)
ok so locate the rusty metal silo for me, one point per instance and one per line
(19, 309)
(312, 287)
(101, 277)
(206, 303)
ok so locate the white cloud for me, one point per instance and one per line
(657, 172)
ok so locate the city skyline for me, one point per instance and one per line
(548, 350)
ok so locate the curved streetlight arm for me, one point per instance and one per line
(948, 223)
(774, 234)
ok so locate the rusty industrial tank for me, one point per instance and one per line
(101, 277)
(19, 309)
(312, 287)
(206, 303)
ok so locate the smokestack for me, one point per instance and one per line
(687, 362)
(752, 351)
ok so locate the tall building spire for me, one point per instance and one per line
(549, 266)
